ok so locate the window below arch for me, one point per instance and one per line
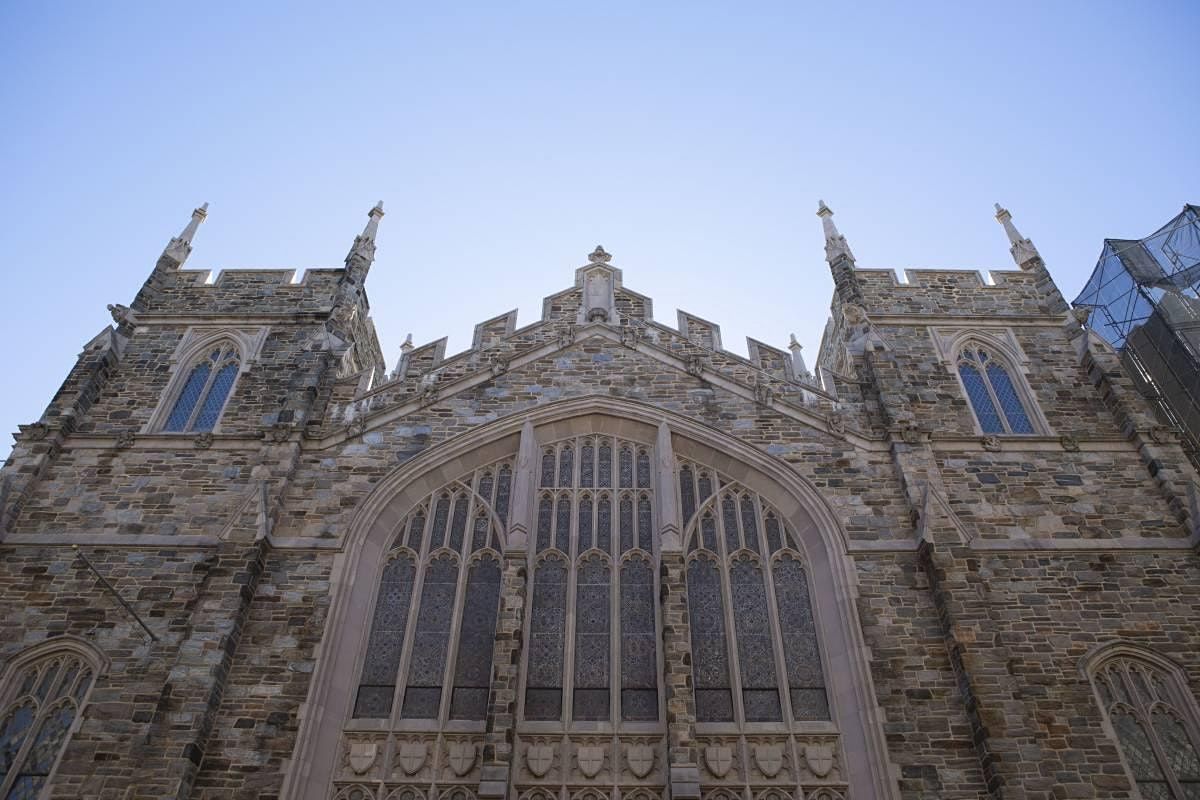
(39, 706)
(1154, 719)
(996, 398)
(204, 392)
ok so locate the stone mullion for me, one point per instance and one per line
(677, 679)
(506, 663)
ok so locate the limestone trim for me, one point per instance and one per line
(355, 573)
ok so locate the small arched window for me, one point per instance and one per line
(203, 394)
(1154, 719)
(41, 701)
(995, 398)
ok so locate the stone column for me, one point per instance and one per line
(677, 680)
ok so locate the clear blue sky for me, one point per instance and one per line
(692, 140)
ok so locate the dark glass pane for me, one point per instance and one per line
(730, 524)
(585, 523)
(12, 733)
(458, 527)
(548, 468)
(486, 483)
(215, 401)
(981, 401)
(749, 522)
(801, 654)
(626, 468)
(774, 540)
(1136, 746)
(704, 485)
(479, 533)
(1010, 401)
(416, 530)
(562, 524)
(639, 656)
(592, 639)
(643, 470)
(708, 530)
(587, 469)
(756, 652)
(545, 521)
(503, 490)
(687, 494)
(645, 525)
(181, 412)
(590, 704)
(810, 704)
(386, 639)
(710, 658)
(604, 524)
(626, 523)
(441, 516)
(605, 465)
(566, 467)
(477, 635)
(547, 628)
(48, 741)
(1181, 757)
(427, 666)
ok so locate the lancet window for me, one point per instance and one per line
(755, 656)
(41, 703)
(429, 651)
(202, 396)
(592, 640)
(1155, 722)
(995, 395)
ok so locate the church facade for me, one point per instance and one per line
(598, 557)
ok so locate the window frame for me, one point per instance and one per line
(999, 355)
(227, 353)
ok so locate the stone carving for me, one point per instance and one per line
(34, 431)
(538, 758)
(837, 422)
(429, 394)
(277, 433)
(125, 440)
(411, 756)
(203, 441)
(695, 364)
(498, 364)
(1081, 314)
(407, 793)
(356, 427)
(1161, 434)
(461, 757)
(764, 391)
(1069, 443)
(913, 434)
(769, 758)
(640, 758)
(819, 757)
(599, 256)
(590, 759)
(566, 337)
(631, 336)
(719, 759)
(120, 313)
(991, 443)
(362, 756)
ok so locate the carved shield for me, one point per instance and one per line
(719, 759)
(640, 758)
(362, 756)
(462, 757)
(591, 759)
(538, 758)
(819, 758)
(412, 756)
(769, 758)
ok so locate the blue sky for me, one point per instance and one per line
(692, 140)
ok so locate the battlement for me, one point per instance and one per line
(950, 291)
(243, 291)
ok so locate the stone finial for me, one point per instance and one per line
(374, 215)
(364, 243)
(1022, 249)
(180, 247)
(835, 244)
(407, 347)
(402, 363)
(599, 256)
(799, 368)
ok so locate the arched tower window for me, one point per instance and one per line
(1155, 721)
(429, 651)
(41, 700)
(995, 395)
(202, 395)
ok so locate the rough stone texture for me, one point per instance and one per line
(970, 599)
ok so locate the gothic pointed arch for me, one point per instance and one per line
(581, 444)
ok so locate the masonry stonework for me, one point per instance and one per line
(960, 579)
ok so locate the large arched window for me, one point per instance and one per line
(755, 656)
(593, 654)
(434, 622)
(1154, 718)
(200, 398)
(996, 397)
(40, 702)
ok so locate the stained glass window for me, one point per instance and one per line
(548, 468)
(605, 468)
(604, 523)
(756, 653)
(592, 639)
(994, 397)
(441, 516)
(547, 630)
(503, 492)
(544, 522)
(427, 667)
(710, 658)
(687, 493)
(639, 655)
(801, 656)
(587, 455)
(626, 468)
(643, 469)
(386, 640)
(36, 722)
(458, 527)
(202, 397)
(585, 523)
(566, 467)
(473, 668)
(645, 524)
(626, 523)
(562, 523)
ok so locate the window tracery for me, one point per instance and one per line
(443, 569)
(44, 697)
(994, 397)
(1155, 722)
(205, 391)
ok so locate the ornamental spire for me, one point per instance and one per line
(180, 247)
(1022, 249)
(799, 368)
(840, 259)
(363, 248)
(835, 244)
